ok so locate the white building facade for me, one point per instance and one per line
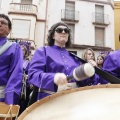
(91, 21)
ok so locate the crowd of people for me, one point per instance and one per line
(48, 68)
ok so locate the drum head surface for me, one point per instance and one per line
(89, 104)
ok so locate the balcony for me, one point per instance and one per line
(23, 8)
(100, 19)
(69, 15)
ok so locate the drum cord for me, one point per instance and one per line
(9, 112)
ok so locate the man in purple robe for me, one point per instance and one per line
(11, 61)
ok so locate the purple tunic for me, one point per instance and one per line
(11, 72)
(112, 63)
(46, 62)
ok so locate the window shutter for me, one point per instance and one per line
(26, 1)
(99, 37)
(70, 6)
(70, 10)
(99, 13)
(20, 29)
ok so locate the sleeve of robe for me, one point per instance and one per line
(14, 84)
(37, 72)
(112, 63)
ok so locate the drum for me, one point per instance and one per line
(8, 112)
(100, 102)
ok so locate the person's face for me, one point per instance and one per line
(90, 55)
(61, 36)
(100, 60)
(4, 29)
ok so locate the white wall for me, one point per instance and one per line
(109, 35)
(41, 4)
(54, 11)
(84, 29)
(39, 33)
(5, 5)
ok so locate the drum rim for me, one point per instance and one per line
(50, 97)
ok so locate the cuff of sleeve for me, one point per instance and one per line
(11, 98)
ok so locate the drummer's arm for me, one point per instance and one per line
(37, 72)
(111, 65)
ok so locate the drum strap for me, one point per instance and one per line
(5, 46)
(107, 76)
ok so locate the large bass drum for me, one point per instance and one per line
(100, 102)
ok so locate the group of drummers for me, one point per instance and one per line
(48, 68)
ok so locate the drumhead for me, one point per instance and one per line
(87, 103)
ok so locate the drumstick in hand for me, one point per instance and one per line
(82, 72)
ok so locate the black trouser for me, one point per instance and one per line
(33, 96)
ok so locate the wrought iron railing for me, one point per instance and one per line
(18, 7)
(100, 18)
(71, 15)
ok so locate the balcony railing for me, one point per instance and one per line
(25, 8)
(70, 15)
(99, 18)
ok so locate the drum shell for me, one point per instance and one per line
(92, 102)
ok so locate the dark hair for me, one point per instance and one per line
(100, 65)
(7, 18)
(51, 32)
(101, 56)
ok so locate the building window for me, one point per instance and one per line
(72, 28)
(20, 29)
(99, 36)
(26, 1)
(99, 14)
(70, 10)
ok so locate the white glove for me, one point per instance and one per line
(67, 86)
(60, 79)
